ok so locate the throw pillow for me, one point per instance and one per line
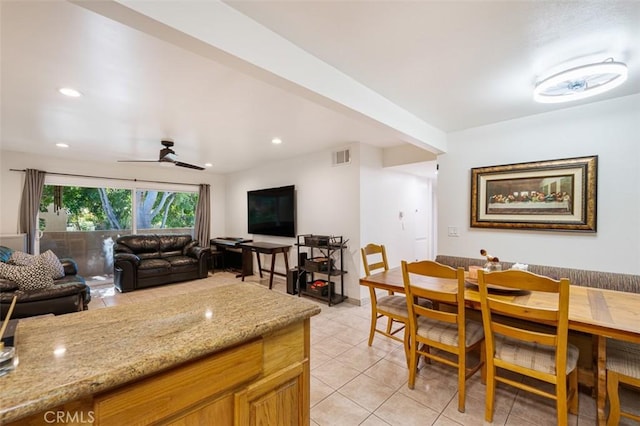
(21, 258)
(5, 253)
(6, 271)
(53, 264)
(33, 277)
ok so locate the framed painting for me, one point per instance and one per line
(545, 195)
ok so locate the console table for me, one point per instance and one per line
(271, 249)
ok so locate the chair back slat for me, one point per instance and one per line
(438, 296)
(432, 269)
(376, 266)
(524, 312)
(517, 280)
(378, 260)
(526, 335)
(448, 317)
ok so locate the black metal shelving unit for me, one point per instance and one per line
(325, 255)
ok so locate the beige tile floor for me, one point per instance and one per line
(354, 384)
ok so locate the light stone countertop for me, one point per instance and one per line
(67, 357)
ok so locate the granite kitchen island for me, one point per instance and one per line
(235, 354)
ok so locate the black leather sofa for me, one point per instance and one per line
(141, 261)
(68, 294)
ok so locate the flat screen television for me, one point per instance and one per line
(272, 211)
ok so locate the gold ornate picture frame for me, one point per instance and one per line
(544, 195)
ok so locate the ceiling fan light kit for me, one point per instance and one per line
(69, 91)
(581, 82)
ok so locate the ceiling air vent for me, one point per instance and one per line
(341, 157)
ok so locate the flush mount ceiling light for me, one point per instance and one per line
(581, 82)
(276, 141)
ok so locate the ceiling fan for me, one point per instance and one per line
(167, 155)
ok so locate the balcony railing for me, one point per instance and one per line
(93, 250)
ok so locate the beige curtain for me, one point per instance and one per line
(30, 205)
(203, 215)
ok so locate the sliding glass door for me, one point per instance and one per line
(82, 221)
(165, 211)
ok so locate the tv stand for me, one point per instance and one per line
(235, 258)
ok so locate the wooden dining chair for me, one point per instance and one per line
(529, 339)
(391, 306)
(442, 325)
(623, 366)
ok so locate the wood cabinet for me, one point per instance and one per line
(264, 381)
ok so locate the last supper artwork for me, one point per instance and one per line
(537, 195)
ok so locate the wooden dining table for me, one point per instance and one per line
(600, 313)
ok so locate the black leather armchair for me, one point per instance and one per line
(148, 260)
(68, 294)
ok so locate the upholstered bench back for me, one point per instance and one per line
(581, 277)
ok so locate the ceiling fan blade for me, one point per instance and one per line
(167, 155)
(189, 166)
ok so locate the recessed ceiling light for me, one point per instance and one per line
(581, 82)
(68, 91)
(276, 141)
(62, 145)
(208, 165)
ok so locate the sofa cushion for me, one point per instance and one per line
(33, 277)
(172, 253)
(181, 261)
(173, 243)
(153, 267)
(154, 264)
(137, 244)
(149, 255)
(50, 293)
(70, 279)
(7, 286)
(180, 264)
(189, 246)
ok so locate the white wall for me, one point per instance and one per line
(385, 196)
(327, 200)
(11, 183)
(609, 129)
